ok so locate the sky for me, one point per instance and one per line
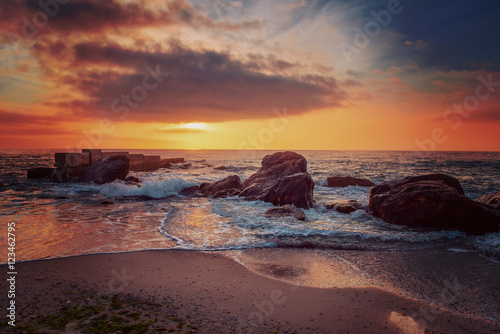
(250, 74)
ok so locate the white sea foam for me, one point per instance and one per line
(488, 245)
(154, 188)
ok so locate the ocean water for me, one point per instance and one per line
(60, 220)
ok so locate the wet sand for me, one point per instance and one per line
(211, 293)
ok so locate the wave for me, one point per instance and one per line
(155, 188)
(488, 245)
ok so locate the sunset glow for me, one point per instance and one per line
(340, 75)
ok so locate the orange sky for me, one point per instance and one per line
(231, 75)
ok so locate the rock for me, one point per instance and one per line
(59, 176)
(220, 168)
(39, 172)
(432, 204)
(62, 197)
(178, 166)
(107, 170)
(450, 181)
(286, 211)
(132, 179)
(345, 206)
(107, 202)
(190, 191)
(230, 186)
(296, 189)
(345, 181)
(492, 199)
(282, 179)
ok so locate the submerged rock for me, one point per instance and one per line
(282, 179)
(345, 181)
(132, 179)
(433, 201)
(190, 191)
(107, 170)
(286, 211)
(492, 199)
(230, 186)
(178, 166)
(345, 206)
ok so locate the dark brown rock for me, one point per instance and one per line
(450, 181)
(286, 211)
(345, 181)
(296, 189)
(107, 170)
(432, 204)
(282, 179)
(492, 199)
(106, 202)
(59, 176)
(190, 191)
(229, 186)
(132, 179)
(344, 206)
(39, 172)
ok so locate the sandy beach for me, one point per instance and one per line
(192, 292)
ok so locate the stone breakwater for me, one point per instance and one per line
(68, 166)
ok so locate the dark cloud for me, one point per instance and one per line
(456, 33)
(7, 117)
(202, 85)
(14, 124)
(97, 16)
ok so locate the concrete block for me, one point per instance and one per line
(72, 159)
(95, 155)
(39, 172)
(75, 171)
(109, 154)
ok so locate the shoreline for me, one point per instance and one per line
(210, 286)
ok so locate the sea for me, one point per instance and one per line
(60, 220)
(328, 250)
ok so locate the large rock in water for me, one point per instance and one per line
(282, 179)
(434, 202)
(230, 186)
(450, 181)
(107, 170)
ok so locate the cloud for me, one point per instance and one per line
(202, 85)
(418, 45)
(42, 18)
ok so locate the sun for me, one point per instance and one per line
(198, 126)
